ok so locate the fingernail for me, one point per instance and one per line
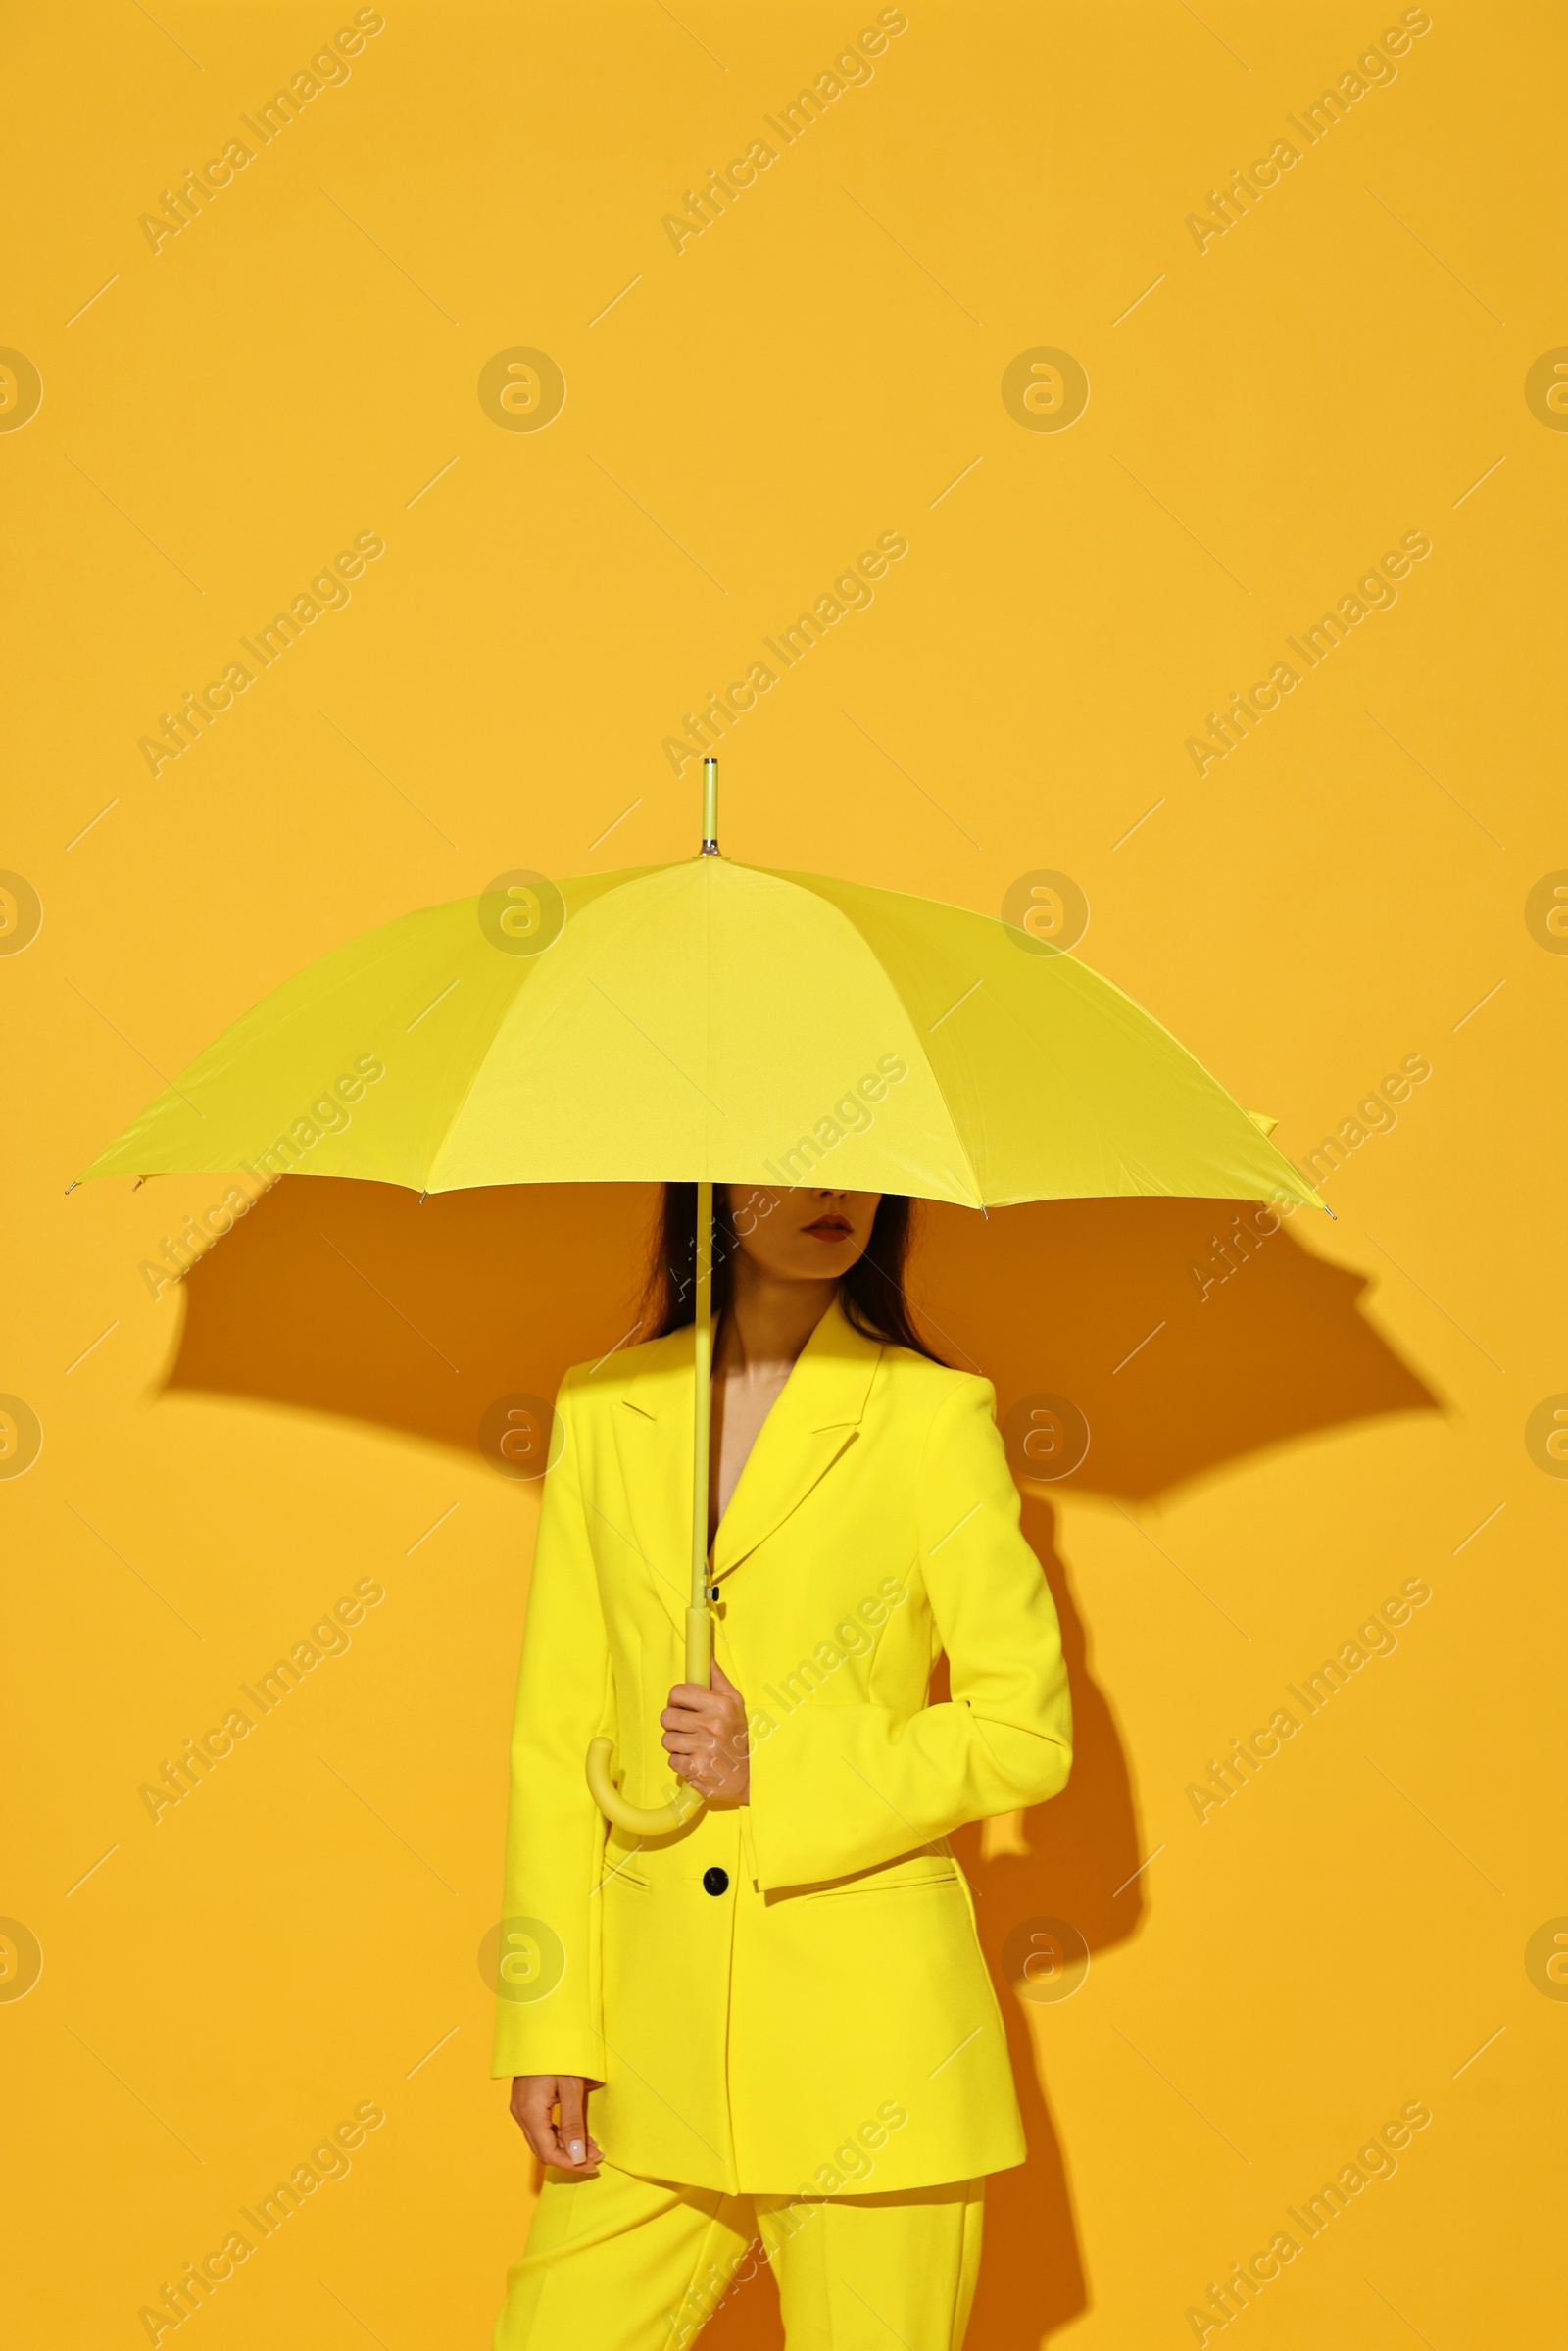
(574, 2149)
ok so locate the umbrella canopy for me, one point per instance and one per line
(709, 1022)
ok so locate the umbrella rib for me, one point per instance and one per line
(552, 1013)
(921, 1026)
(1094, 990)
(503, 1009)
(959, 1144)
(1114, 1004)
(805, 881)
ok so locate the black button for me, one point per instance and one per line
(716, 1881)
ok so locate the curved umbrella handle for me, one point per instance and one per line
(639, 1820)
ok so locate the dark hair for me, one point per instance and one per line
(871, 1294)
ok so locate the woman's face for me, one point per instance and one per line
(802, 1235)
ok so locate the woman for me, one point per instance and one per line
(774, 2021)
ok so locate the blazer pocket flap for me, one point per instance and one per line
(914, 1870)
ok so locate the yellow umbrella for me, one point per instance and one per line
(707, 1022)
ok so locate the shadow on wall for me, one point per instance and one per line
(1184, 1334)
(354, 1300)
(1146, 1327)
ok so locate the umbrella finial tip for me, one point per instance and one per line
(710, 847)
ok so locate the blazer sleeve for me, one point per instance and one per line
(838, 1788)
(548, 2014)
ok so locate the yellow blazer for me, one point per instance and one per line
(788, 1994)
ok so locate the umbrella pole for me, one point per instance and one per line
(658, 1819)
(642, 1820)
(699, 1624)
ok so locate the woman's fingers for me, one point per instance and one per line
(532, 2097)
(566, 2144)
(690, 1730)
(720, 1712)
(690, 1698)
(573, 2130)
(697, 1756)
(699, 1741)
(705, 1735)
(689, 1756)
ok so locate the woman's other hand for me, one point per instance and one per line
(564, 2144)
(704, 1738)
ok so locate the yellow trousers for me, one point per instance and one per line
(624, 2264)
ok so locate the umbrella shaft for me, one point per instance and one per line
(699, 1624)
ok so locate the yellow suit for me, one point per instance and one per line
(787, 1996)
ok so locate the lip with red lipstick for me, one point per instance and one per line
(832, 1225)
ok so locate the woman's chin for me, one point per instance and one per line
(821, 1260)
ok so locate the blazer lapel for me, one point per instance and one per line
(813, 1423)
(652, 1425)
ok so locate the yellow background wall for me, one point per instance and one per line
(1367, 1923)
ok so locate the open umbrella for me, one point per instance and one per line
(707, 1022)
